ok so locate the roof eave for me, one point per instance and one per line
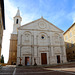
(2, 11)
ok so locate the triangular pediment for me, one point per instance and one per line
(40, 24)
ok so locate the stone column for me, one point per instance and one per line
(32, 50)
(64, 51)
(52, 54)
(51, 43)
(61, 54)
(52, 58)
(37, 44)
(35, 48)
(49, 48)
(64, 55)
(32, 43)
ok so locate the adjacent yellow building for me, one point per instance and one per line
(2, 23)
(69, 38)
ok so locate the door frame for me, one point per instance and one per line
(26, 60)
(46, 58)
(58, 58)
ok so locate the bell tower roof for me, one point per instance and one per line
(17, 22)
(18, 12)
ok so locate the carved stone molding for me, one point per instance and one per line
(42, 25)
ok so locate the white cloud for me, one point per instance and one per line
(71, 16)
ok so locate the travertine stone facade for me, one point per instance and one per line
(41, 42)
(69, 37)
(38, 42)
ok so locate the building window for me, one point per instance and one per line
(70, 34)
(42, 37)
(72, 44)
(67, 45)
(17, 21)
(66, 37)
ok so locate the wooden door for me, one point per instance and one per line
(26, 60)
(43, 58)
(58, 58)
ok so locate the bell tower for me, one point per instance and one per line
(13, 39)
(17, 22)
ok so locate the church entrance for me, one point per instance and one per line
(58, 58)
(43, 58)
(27, 61)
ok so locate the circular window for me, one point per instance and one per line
(42, 37)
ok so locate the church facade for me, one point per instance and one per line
(39, 42)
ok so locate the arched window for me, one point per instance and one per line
(17, 21)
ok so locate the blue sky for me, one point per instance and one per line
(59, 12)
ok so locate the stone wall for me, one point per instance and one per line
(13, 49)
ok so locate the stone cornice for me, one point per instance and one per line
(44, 51)
(38, 20)
(40, 30)
(43, 45)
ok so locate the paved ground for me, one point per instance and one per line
(6, 70)
(35, 71)
(62, 69)
(52, 70)
(40, 71)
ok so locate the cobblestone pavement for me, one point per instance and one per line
(62, 69)
(36, 71)
(40, 71)
(7, 70)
